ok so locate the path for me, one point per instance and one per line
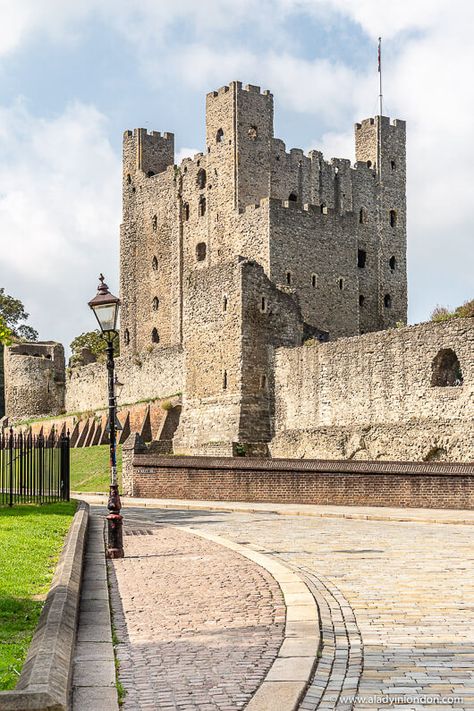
(198, 625)
(398, 596)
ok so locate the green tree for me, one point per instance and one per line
(94, 343)
(5, 333)
(13, 313)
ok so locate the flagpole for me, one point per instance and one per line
(379, 122)
(380, 74)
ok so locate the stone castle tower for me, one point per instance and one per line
(247, 247)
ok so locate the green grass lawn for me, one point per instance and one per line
(31, 538)
(90, 469)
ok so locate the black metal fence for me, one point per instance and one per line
(33, 468)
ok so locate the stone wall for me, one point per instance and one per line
(34, 379)
(157, 374)
(431, 485)
(233, 317)
(373, 397)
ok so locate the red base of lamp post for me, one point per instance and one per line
(114, 525)
(114, 536)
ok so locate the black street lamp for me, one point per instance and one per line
(106, 309)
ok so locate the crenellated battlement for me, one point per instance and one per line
(238, 86)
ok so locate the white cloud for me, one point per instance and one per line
(59, 214)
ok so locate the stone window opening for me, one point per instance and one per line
(361, 300)
(155, 303)
(224, 380)
(154, 222)
(387, 301)
(393, 165)
(362, 216)
(292, 197)
(225, 302)
(129, 178)
(201, 251)
(263, 305)
(392, 263)
(155, 337)
(263, 381)
(186, 211)
(219, 135)
(202, 206)
(154, 264)
(288, 278)
(314, 280)
(393, 218)
(150, 174)
(369, 164)
(361, 258)
(126, 337)
(201, 179)
(324, 208)
(446, 369)
(341, 283)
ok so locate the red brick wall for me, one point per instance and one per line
(424, 485)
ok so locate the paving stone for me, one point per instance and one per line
(199, 625)
(277, 696)
(95, 699)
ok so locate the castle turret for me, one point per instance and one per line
(239, 133)
(382, 144)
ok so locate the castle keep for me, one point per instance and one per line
(247, 247)
(269, 289)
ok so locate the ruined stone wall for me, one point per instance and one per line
(34, 379)
(373, 397)
(151, 375)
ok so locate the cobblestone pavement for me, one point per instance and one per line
(397, 602)
(198, 624)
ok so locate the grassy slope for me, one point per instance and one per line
(90, 470)
(31, 539)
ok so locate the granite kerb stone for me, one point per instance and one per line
(46, 676)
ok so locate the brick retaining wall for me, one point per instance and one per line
(423, 485)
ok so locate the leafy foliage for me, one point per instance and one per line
(441, 313)
(94, 343)
(13, 313)
(5, 333)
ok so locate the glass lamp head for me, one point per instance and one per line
(106, 308)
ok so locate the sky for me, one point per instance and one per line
(75, 75)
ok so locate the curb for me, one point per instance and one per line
(288, 677)
(45, 680)
(445, 516)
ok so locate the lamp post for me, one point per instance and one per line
(106, 310)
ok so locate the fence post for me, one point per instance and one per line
(40, 447)
(65, 466)
(21, 482)
(11, 449)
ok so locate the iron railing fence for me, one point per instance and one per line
(34, 468)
